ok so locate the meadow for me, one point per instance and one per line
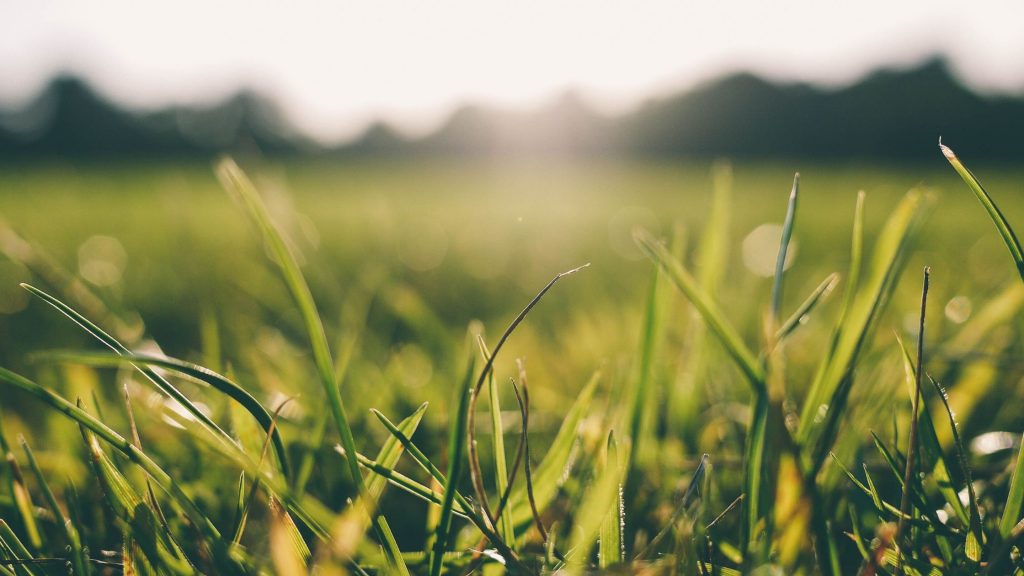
(683, 402)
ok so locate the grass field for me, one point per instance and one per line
(406, 263)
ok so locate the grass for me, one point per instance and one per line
(682, 414)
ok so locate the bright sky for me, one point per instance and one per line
(335, 66)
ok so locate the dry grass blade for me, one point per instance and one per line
(474, 460)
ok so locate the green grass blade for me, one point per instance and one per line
(405, 483)
(642, 400)
(611, 546)
(392, 450)
(827, 396)
(780, 262)
(17, 551)
(505, 526)
(931, 455)
(194, 371)
(79, 559)
(800, 315)
(975, 537)
(599, 499)
(161, 383)
(709, 311)
(238, 184)
(688, 393)
(456, 464)
(19, 493)
(1012, 512)
(1004, 228)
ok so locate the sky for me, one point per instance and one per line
(333, 67)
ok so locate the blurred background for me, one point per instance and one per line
(438, 163)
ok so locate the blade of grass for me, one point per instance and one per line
(709, 311)
(611, 546)
(692, 493)
(19, 493)
(456, 443)
(18, 554)
(800, 315)
(110, 342)
(462, 506)
(827, 397)
(930, 450)
(474, 460)
(403, 482)
(79, 559)
(600, 498)
(238, 184)
(501, 477)
(194, 371)
(555, 467)
(975, 536)
(915, 410)
(780, 261)
(1002, 226)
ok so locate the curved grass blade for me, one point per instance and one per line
(110, 342)
(474, 460)
(194, 371)
(1015, 499)
(238, 184)
(1005, 231)
(709, 311)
